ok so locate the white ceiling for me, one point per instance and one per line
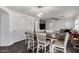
(2, 12)
(47, 11)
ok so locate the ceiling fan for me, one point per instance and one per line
(53, 18)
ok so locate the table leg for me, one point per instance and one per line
(51, 47)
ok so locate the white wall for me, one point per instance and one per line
(30, 23)
(18, 25)
(14, 26)
(37, 25)
(59, 24)
(4, 29)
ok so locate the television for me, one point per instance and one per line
(42, 26)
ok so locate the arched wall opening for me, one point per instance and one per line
(4, 27)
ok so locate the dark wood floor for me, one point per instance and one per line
(19, 47)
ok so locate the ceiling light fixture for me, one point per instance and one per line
(39, 14)
(40, 6)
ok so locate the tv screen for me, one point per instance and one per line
(42, 26)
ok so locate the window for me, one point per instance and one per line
(67, 25)
(77, 24)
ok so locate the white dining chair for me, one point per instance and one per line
(26, 38)
(41, 42)
(30, 42)
(61, 46)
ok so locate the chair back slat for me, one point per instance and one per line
(66, 39)
(41, 37)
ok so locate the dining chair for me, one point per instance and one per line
(41, 42)
(30, 42)
(59, 45)
(26, 38)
